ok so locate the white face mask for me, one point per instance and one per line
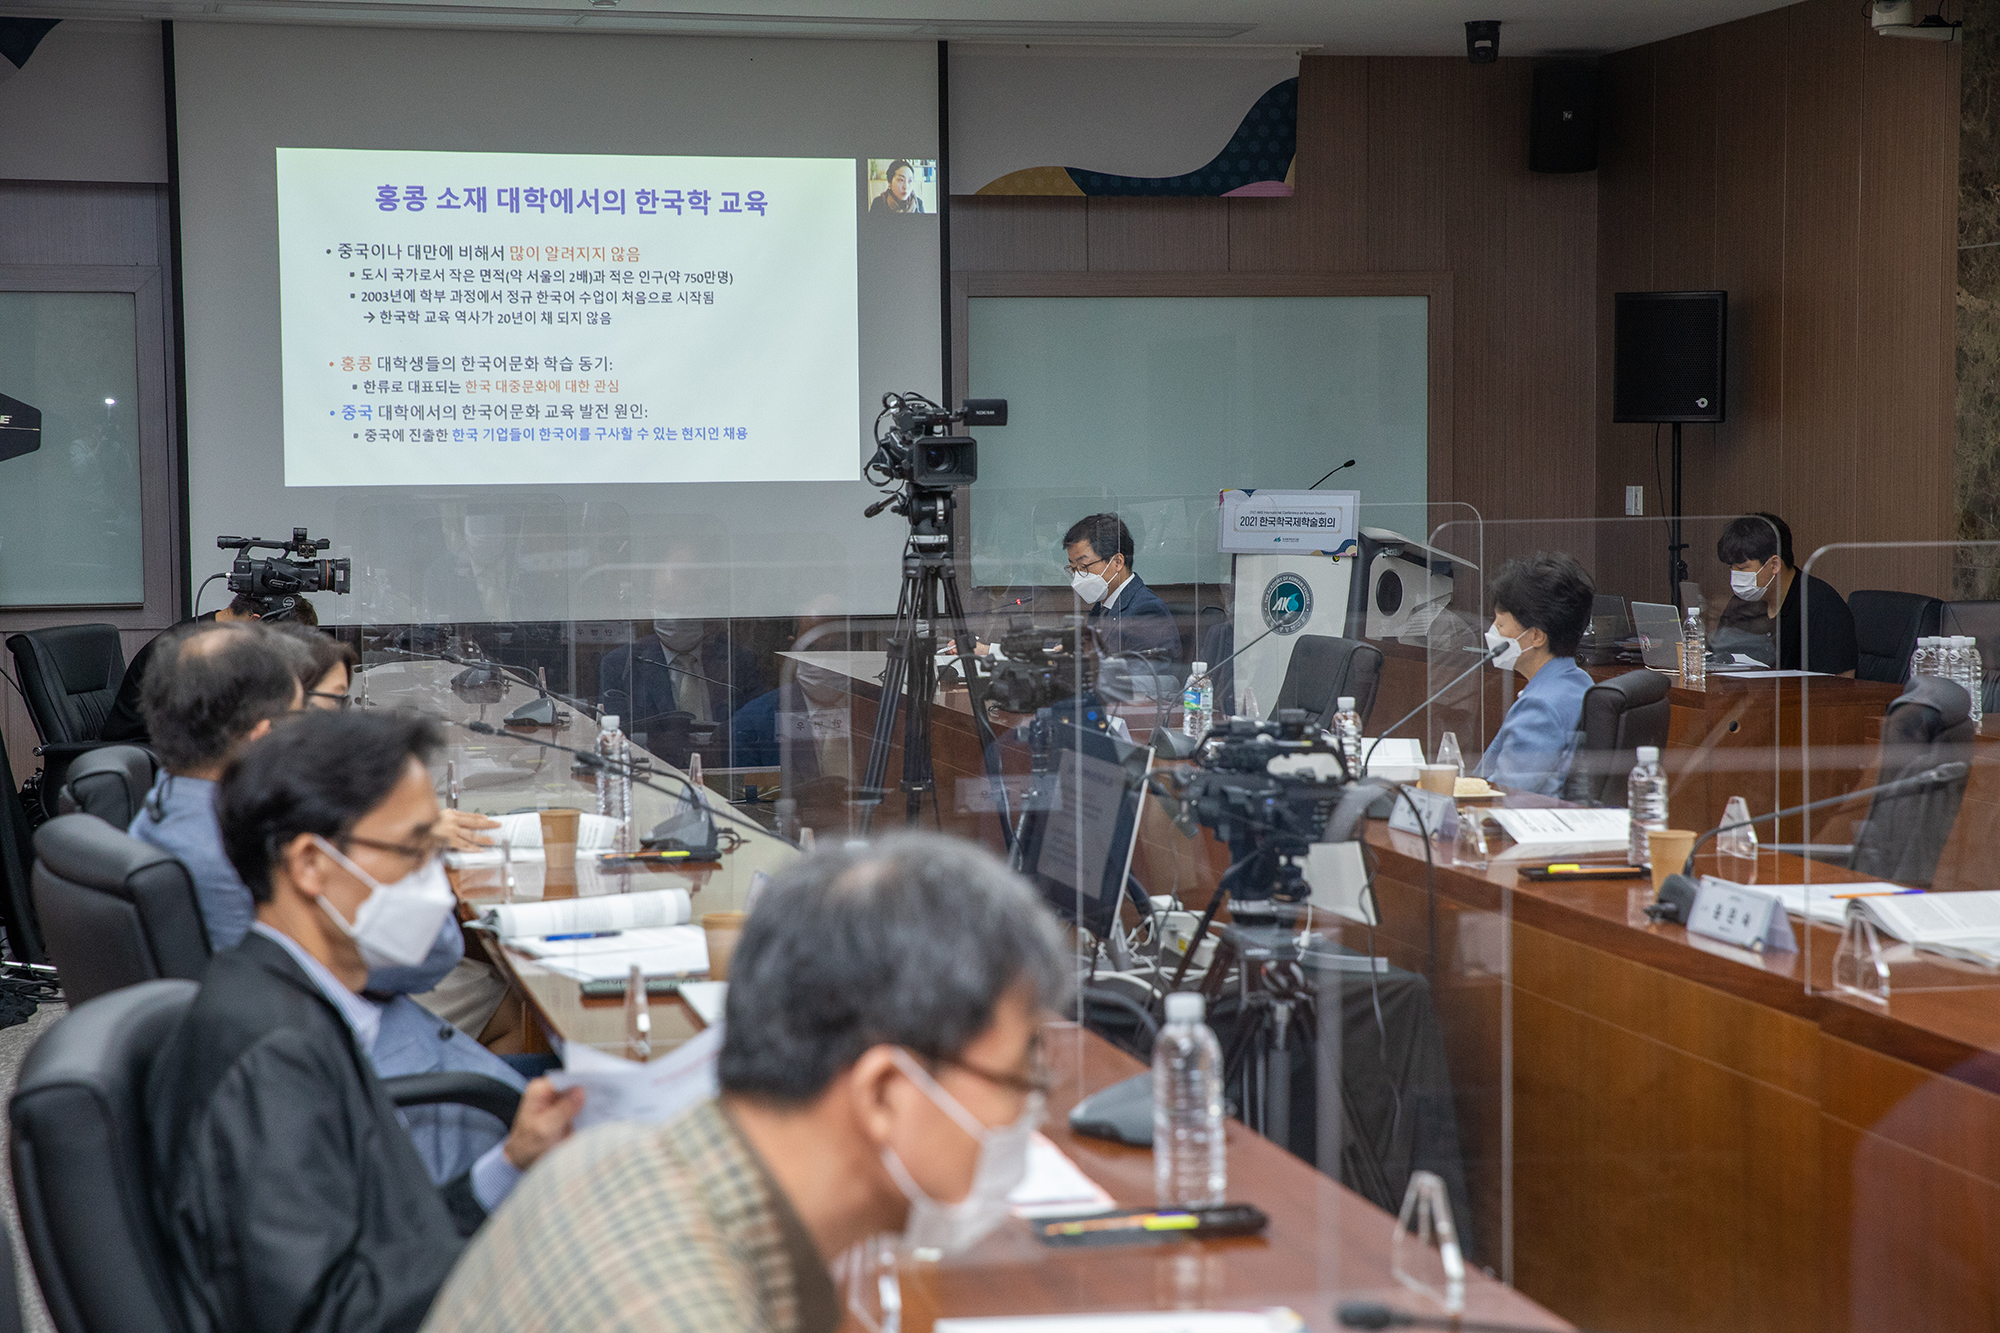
(1090, 587)
(1745, 585)
(949, 1228)
(681, 637)
(398, 923)
(1507, 660)
(820, 685)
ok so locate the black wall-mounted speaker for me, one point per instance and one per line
(1667, 356)
(1562, 124)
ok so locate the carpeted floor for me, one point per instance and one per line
(14, 1044)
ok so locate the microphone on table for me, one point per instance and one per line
(1677, 891)
(592, 760)
(1374, 1314)
(1430, 699)
(1342, 468)
(487, 667)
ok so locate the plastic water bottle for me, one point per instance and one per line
(1923, 662)
(1694, 651)
(1347, 733)
(1191, 697)
(614, 782)
(1449, 753)
(1646, 799)
(1207, 699)
(1738, 846)
(1975, 678)
(1190, 1162)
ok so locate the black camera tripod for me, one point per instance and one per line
(929, 598)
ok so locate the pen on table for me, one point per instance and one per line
(584, 935)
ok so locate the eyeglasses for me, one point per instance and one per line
(420, 852)
(340, 701)
(1037, 1079)
(1084, 568)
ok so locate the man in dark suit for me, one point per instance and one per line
(290, 1194)
(1125, 615)
(684, 666)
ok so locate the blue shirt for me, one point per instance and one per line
(1536, 742)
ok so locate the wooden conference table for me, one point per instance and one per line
(1325, 1244)
(1699, 1139)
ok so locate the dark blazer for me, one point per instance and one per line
(642, 695)
(289, 1194)
(1139, 623)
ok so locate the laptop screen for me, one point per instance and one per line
(1658, 625)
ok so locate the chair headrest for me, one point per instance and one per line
(85, 850)
(1952, 704)
(1639, 687)
(100, 1043)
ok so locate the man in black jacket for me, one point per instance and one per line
(290, 1193)
(1125, 615)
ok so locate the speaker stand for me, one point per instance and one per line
(1677, 565)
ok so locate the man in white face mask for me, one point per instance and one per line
(1541, 607)
(880, 1073)
(1125, 615)
(1769, 593)
(291, 1195)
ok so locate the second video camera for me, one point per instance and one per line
(916, 444)
(277, 582)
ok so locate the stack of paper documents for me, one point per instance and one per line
(1054, 1187)
(615, 1088)
(1958, 925)
(1553, 831)
(604, 911)
(658, 951)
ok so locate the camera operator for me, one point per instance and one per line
(126, 722)
(1125, 615)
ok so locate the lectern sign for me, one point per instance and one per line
(1263, 522)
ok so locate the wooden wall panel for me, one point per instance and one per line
(1808, 168)
(1404, 165)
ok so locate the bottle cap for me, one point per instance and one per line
(1186, 1006)
(1198, 669)
(1345, 703)
(609, 722)
(1649, 754)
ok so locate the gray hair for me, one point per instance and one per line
(910, 941)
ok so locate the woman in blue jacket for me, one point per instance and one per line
(1541, 608)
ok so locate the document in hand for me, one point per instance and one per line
(652, 1093)
(1157, 1321)
(1958, 925)
(604, 911)
(594, 833)
(1546, 830)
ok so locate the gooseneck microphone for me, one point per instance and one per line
(1342, 468)
(1677, 891)
(1374, 1314)
(1432, 698)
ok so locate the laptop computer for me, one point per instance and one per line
(1658, 625)
(1609, 625)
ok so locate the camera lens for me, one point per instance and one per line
(937, 458)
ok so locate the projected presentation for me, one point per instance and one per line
(539, 319)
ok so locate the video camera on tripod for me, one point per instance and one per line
(1270, 790)
(917, 445)
(278, 582)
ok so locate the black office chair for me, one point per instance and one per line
(1904, 835)
(1887, 626)
(82, 1165)
(1981, 620)
(17, 860)
(109, 782)
(1619, 715)
(1322, 669)
(114, 911)
(70, 675)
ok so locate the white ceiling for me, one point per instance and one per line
(1372, 27)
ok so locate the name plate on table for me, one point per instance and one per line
(1739, 915)
(1440, 813)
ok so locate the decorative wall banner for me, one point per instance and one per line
(1119, 124)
